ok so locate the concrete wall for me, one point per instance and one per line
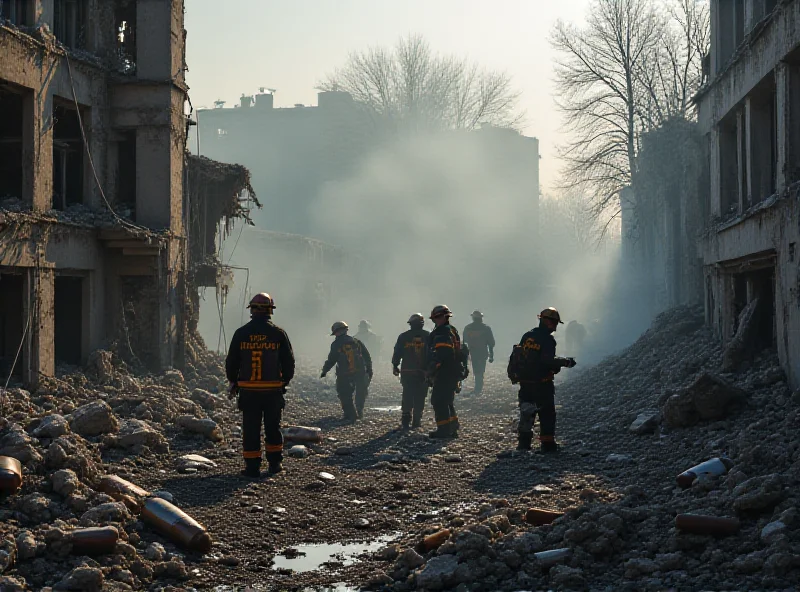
(149, 102)
(761, 232)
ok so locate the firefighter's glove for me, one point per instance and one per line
(323, 374)
(396, 371)
(491, 359)
(232, 391)
(571, 363)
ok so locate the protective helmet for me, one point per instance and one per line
(337, 326)
(364, 324)
(441, 310)
(261, 301)
(552, 314)
(477, 313)
(416, 318)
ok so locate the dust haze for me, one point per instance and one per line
(425, 218)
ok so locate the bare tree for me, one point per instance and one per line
(410, 85)
(566, 221)
(635, 64)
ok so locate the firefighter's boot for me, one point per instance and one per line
(275, 462)
(252, 468)
(406, 420)
(549, 447)
(524, 440)
(441, 432)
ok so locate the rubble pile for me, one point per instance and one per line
(472, 514)
(613, 417)
(63, 528)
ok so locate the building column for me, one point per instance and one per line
(37, 150)
(38, 308)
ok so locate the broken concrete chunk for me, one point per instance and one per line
(93, 419)
(195, 461)
(302, 434)
(52, 427)
(204, 427)
(646, 422)
(298, 451)
(135, 432)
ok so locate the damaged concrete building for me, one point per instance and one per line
(750, 111)
(107, 226)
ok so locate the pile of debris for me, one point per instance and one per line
(66, 519)
(736, 527)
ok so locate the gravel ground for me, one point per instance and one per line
(391, 488)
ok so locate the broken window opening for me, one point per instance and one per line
(738, 23)
(18, 12)
(762, 287)
(69, 22)
(11, 106)
(140, 307)
(125, 22)
(67, 158)
(739, 298)
(728, 165)
(68, 320)
(126, 173)
(725, 34)
(763, 144)
(12, 323)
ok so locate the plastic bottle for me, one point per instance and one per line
(538, 517)
(176, 524)
(550, 558)
(10, 475)
(713, 467)
(706, 525)
(435, 540)
(94, 541)
(302, 434)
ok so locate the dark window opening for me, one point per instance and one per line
(125, 23)
(762, 285)
(763, 129)
(18, 12)
(728, 165)
(126, 172)
(725, 34)
(67, 158)
(68, 319)
(69, 22)
(140, 307)
(12, 323)
(739, 298)
(738, 24)
(11, 106)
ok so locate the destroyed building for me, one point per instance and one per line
(107, 226)
(750, 111)
(293, 152)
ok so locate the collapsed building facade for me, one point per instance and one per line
(107, 226)
(750, 112)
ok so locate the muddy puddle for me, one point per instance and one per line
(311, 557)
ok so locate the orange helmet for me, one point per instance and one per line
(552, 314)
(262, 301)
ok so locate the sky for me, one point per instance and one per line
(237, 46)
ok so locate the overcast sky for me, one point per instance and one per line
(235, 46)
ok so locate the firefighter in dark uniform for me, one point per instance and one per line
(259, 366)
(479, 338)
(353, 370)
(535, 373)
(410, 349)
(447, 367)
(370, 340)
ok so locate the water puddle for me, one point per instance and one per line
(390, 409)
(311, 557)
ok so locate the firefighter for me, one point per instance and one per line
(260, 366)
(533, 366)
(447, 367)
(479, 338)
(410, 349)
(353, 370)
(372, 341)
